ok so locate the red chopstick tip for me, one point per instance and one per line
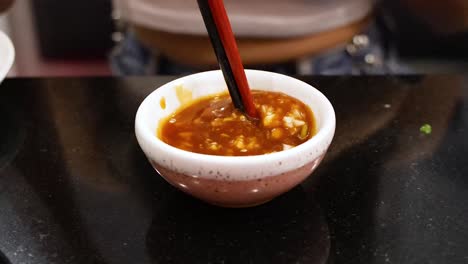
(253, 114)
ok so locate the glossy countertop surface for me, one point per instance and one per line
(76, 188)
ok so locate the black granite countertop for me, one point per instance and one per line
(76, 188)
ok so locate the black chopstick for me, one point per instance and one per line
(221, 54)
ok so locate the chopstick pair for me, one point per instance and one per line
(224, 44)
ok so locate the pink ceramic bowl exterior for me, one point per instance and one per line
(233, 181)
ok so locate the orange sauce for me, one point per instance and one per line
(162, 103)
(211, 125)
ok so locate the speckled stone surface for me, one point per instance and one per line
(76, 188)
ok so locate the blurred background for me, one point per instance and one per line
(76, 38)
(59, 38)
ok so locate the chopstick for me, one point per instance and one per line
(225, 47)
(221, 55)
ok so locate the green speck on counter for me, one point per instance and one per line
(426, 129)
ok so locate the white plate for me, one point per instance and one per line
(7, 55)
(259, 18)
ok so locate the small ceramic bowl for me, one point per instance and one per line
(232, 181)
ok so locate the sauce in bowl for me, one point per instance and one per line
(211, 125)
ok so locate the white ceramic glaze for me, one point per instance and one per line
(7, 55)
(173, 163)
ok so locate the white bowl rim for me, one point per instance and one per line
(6, 62)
